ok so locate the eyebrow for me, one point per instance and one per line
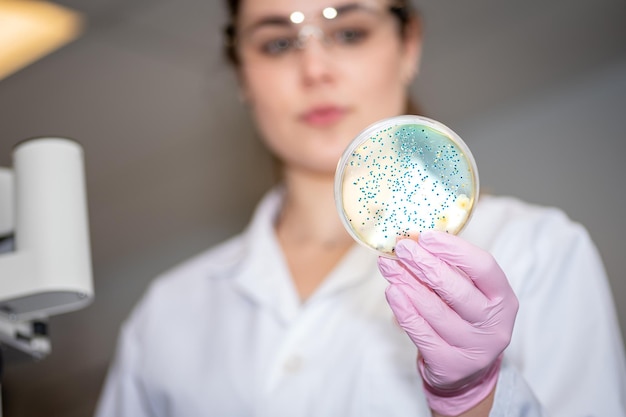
(281, 20)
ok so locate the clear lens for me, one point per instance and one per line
(404, 175)
(271, 41)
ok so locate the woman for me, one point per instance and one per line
(292, 317)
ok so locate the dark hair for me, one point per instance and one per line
(401, 9)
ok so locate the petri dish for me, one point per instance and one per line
(401, 176)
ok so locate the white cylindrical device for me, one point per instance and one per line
(50, 272)
(7, 222)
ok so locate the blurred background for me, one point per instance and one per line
(537, 88)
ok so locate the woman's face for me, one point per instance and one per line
(313, 86)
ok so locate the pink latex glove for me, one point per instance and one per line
(457, 306)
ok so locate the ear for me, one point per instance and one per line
(412, 46)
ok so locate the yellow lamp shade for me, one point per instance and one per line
(30, 30)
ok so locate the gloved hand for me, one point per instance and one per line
(456, 305)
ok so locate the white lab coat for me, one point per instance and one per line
(224, 334)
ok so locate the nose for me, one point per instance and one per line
(316, 60)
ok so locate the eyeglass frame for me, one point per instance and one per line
(401, 11)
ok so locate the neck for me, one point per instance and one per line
(310, 230)
(309, 214)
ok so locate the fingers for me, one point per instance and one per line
(478, 264)
(417, 302)
(434, 351)
(451, 284)
(418, 329)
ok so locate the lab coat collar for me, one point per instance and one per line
(265, 278)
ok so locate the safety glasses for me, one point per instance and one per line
(344, 31)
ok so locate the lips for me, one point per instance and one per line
(322, 116)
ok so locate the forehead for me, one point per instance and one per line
(251, 9)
